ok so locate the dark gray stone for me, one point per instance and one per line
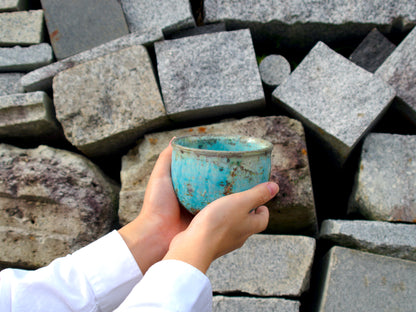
(386, 181)
(267, 265)
(21, 28)
(10, 83)
(13, 5)
(250, 304)
(200, 30)
(372, 51)
(78, 25)
(359, 281)
(209, 75)
(25, 59)
(274, 69)
(399, 70)
(335, 98)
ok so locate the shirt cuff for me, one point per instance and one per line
(110, 269)
(171, 285)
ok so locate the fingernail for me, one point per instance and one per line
(170, 142)
(273, 188)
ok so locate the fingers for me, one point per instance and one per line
(255, 196)
(162, 166)
(259, 219)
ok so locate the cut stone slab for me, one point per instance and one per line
(200, 30)
(399, 70)
(385, 186)
(41, 78)
(78, 25)
(359, 281)
(267, 265)
(274, 69)
(27, 115)
(10, 83)
(107, 103)
(372, 51)
(21, 28)
(384, 238)
(250, 304)
(303, 23)
(52, 203)
(13, 5)
(352, 98)
(25, 59)
(291, 211)
(209, 75)
(164, 16)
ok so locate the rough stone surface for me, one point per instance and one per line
(10, 83)
(52, 203)
(386, 180)
(274, 69)
(27, 115)
(293, 209)
(267, 265)
(359, 281)
(399, 70)
(303, 23)
(200, 30)
(164, 16)
(25, 59)
(209, 75)
(78, 25)
(107, 103)
(352, 98)
(41, 78)
(21, 28)
(389, 239)
(372, 51)
(249, 304)
(13, 5)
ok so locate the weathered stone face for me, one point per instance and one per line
(25, 59)
(52, 203)
(21, 28)
(248, 304)
(10, 83)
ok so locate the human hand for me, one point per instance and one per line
(161, 218)
(222, 226)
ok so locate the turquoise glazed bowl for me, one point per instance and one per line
(205, 168)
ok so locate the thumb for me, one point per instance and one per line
(259, 219)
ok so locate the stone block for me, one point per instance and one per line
(21, 28)
(267, 265)
(303, 23)
(200, 30)
(78, 25)
(359, 281)
(163, 16)
(52, 203)
(291, 211)
(10, 83)
(209, 75)
(274, 69)
(250, 304)
(13, 5)
(399, 70)
(385, 184)
(107, 103)
(41, 78)
(384, 238)
(27, 115)
(338, 100)
(25, 59)
(372, 51)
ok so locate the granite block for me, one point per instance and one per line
(251, 304)
(21, 28)
(274, 69)
(25, 58)
(338, 100)
(10, 83)
(13, 5)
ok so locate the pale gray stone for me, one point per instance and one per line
(274, 69)
(78, 25)
(267, 265)
(372, 51)
(359, 281)
(293, 209)
(335, 98)
(389, 239)
(399, 70)
(200, 30)
(209, 75)
(25, 58)
(250, 304)
(107, 103)
(41, 78)
(386, 182)
(27, 115)
(10, 83)
(13, 5)
(164, 16)
(21, 28)
(52, 203)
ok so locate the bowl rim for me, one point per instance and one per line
(268, 146)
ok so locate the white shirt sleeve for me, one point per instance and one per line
(170, 285)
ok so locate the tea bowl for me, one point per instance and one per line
(205, 168)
